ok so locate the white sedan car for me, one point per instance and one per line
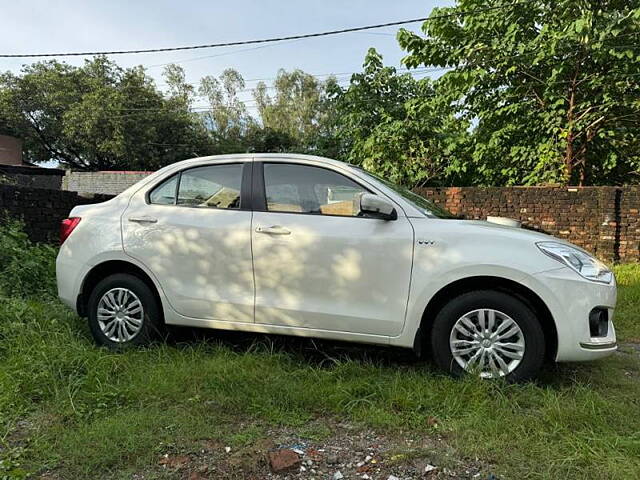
(302, 245)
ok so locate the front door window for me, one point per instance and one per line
(306, 189)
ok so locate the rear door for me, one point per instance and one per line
(320, 265)
(192, 230)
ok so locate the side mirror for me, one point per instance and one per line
(375, 206)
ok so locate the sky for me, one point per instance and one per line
(43, 26)
(52, 26)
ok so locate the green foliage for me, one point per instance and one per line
(396, 126)
(26, 269)
(265, 139)
(10, 465)
(7, 180)
(228, 117)
(99, 116)
(551, 86)
(296, 109)
(628, 307)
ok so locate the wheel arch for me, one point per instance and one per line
(468, 284)
(103, 270)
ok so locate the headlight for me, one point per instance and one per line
(574, 258)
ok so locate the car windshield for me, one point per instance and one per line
(427, 207)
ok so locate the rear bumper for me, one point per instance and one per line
(68, 281)
(570, 299)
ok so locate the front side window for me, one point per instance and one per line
(305, 189)
(215, 186)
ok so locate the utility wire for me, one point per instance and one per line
(202, 109)
(399, 70)
(266, 40)
(233, 52)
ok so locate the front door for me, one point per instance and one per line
(193, 233)
(319, 265)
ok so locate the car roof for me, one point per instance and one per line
(265, 156)
(248, 157)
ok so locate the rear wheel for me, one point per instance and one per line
(123, 311)
(488, 333)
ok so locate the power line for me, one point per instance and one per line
(252, 103)
(202, 109)
(401, 70)
(266, 40)
(412, 71)
(345, 74)
(234, 52)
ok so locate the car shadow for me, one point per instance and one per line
(320, 353)
(311, 351)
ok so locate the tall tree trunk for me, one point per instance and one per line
(569, 150)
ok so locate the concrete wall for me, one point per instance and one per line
(110, 183)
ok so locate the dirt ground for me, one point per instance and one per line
(348, 453)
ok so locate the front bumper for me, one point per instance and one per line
(599, 346)
(570, 299)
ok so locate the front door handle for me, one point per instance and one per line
(143, 219)
(274, 230)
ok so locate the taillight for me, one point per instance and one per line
(67, 226)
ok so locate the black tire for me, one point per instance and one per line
(152, 321)
(519, 312)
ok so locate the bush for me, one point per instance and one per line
(26, 268)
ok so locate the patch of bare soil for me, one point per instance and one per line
(633, 349)
(347, 453)
(630, 347)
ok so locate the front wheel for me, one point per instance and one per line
(123, 311)
(488, 333)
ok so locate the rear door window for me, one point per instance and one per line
(213, 186)
(216, 186)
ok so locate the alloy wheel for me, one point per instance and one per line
(120, 314)
(488, 342)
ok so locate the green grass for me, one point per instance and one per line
(627, 316)
(70, 407)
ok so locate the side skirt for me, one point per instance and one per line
(175, 319)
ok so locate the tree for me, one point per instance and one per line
(227, 118)
(180, 91)
(98, 117)
(550, 85)
(395, 126)
(260, 139)
(296, 109)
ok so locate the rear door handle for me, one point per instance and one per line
(274, 230)
(143, 219)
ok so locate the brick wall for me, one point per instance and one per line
(35, 177)
(42, 210)
(629, 224)
(111, 183)
(602, 220)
